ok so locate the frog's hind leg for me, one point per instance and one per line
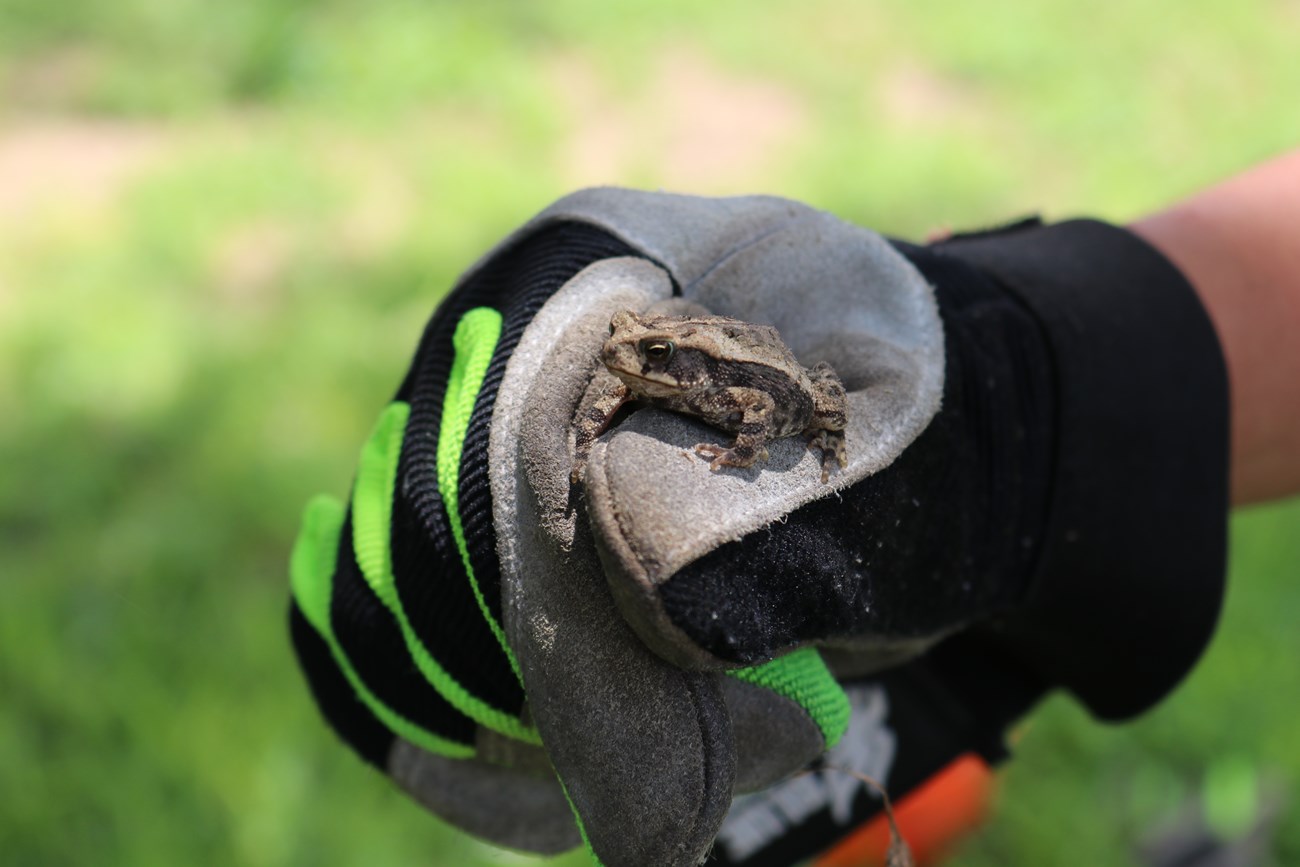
(830, 417)
(830, 400)
(834, 452)
(741, 454)
(750, 445)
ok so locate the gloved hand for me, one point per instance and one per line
(1036, 450)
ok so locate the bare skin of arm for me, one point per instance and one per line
(1239, 245)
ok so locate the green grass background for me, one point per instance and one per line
(223, 225)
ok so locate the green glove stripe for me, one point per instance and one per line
(311, 572)
(474, 342)
(582, 829)
(372, 504)
(311, 563)
(802, 677)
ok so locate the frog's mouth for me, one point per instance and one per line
(653, 385)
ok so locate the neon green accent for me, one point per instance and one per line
(372, 506)
(803, 678)
(311, 577)
(311, 565)
(475, 340)
(582, 829)
(372, 502)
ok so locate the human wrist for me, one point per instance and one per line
(1235, 243)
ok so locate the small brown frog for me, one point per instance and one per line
(733, 375)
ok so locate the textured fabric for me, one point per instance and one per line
(1133, 560)
(347, 714)
(774, 735)
(372, 502)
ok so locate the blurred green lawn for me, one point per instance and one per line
(222, 227)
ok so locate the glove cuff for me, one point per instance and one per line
(1131, 576)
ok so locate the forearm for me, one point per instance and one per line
(1239, 245)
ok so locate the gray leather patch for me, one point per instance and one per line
(774, 736)
(643, 748)
(473, 795)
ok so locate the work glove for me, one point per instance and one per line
(1034, 497)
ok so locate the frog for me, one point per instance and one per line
(737, 376)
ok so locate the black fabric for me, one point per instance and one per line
(1131, 581)
(337, 701)
(428, 571)
(371, 639)
(444, 614)
(946, 535)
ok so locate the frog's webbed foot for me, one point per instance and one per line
(575, 473)
(831, 444)
(739, 455)
(750, 445)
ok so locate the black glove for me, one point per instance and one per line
(1037, 468)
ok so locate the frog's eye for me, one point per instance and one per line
(658, 351)
(611, 328)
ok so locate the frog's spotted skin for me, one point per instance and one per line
(734, 375)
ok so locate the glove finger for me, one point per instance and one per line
(429, 544)
(875, 320)
(643, 748)
(358, 675)
(397, 607)
(462, 772)
(784, 715)
(519, 807)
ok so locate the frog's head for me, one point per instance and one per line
(655, 356)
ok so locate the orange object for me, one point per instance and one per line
(933, 817)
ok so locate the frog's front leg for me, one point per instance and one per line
(749, 414)
(599, 403)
